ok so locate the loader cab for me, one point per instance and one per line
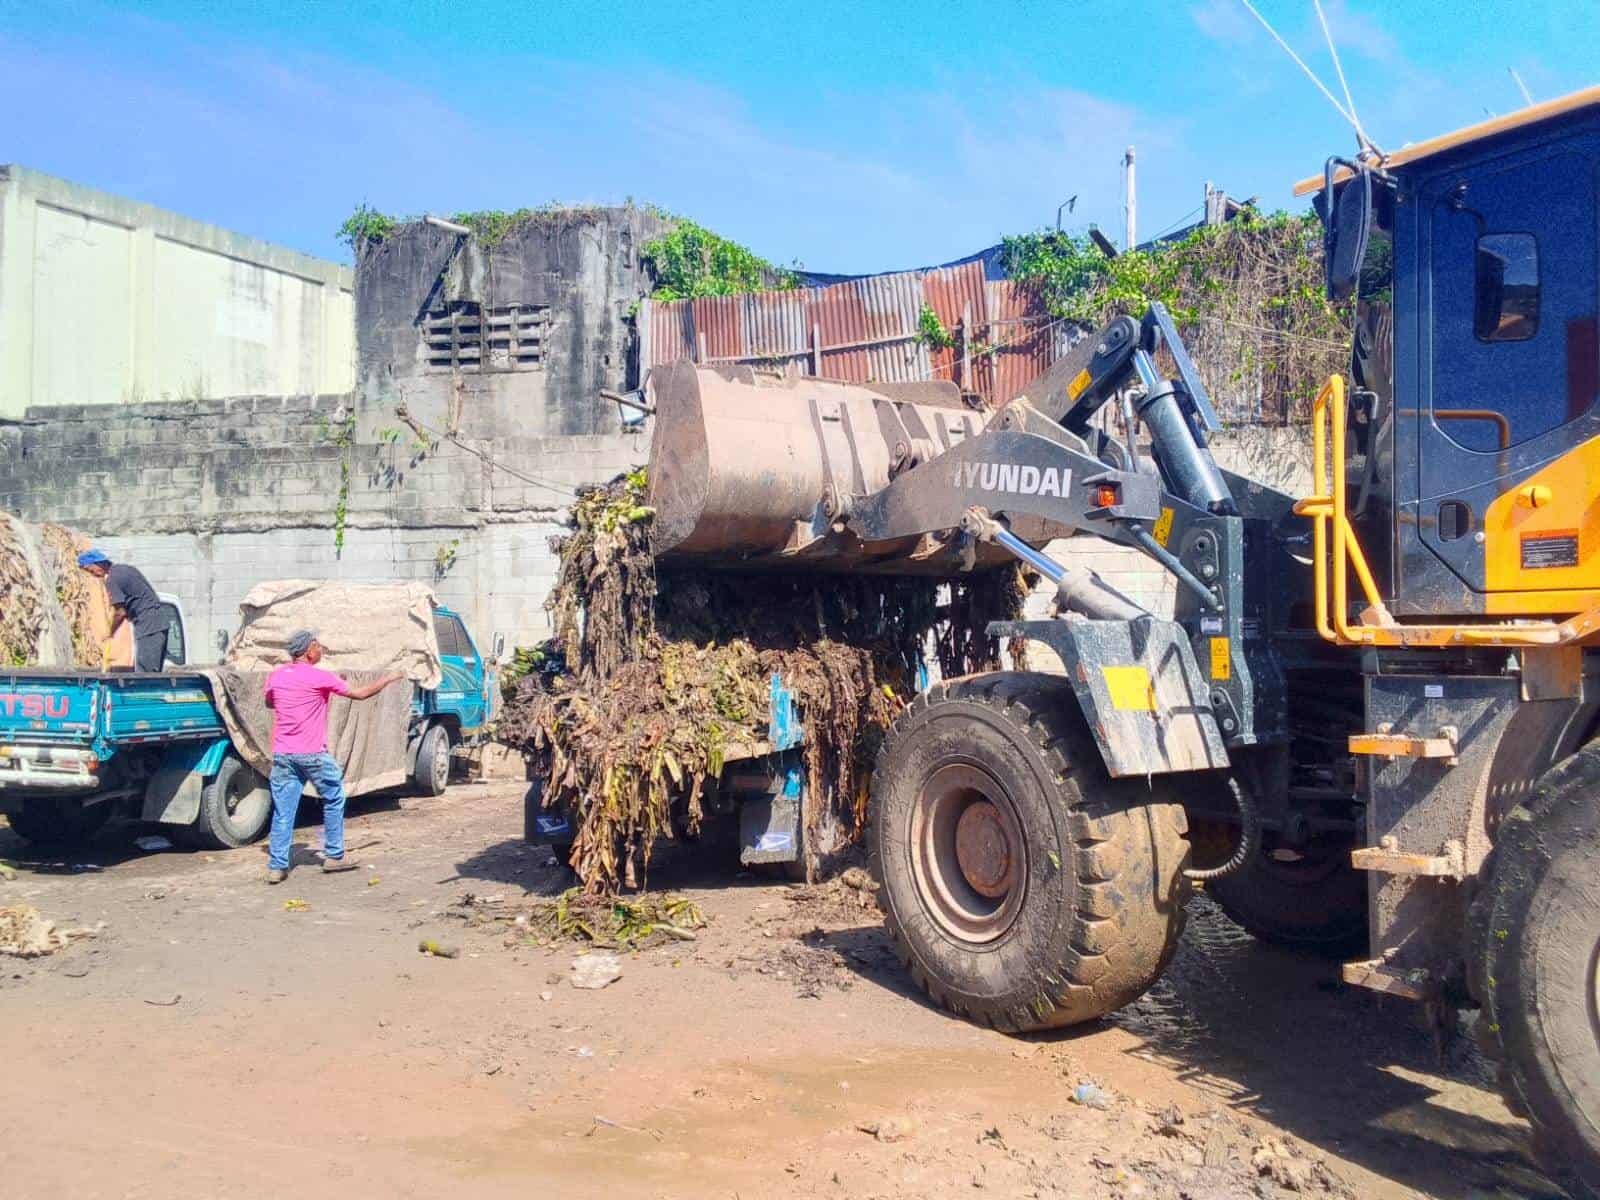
(1474, 429)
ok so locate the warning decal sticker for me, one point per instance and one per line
(1549, 548)
(1221, 659)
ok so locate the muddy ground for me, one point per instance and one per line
(212, 1041)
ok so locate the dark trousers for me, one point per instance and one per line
(149, 650)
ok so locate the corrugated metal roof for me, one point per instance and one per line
(1023, 340)
(861, 329)
(956, 294)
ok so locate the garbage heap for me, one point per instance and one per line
(51, 613)
(654, 674)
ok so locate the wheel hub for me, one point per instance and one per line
(982, 851)
(245, 804)
(967, 853)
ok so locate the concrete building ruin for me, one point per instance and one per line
(447, 446)
(495, 352)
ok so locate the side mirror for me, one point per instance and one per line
(499, 646)
(1347, 222)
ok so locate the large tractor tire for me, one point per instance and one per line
(1311, 899)
(58, 822)
(235, 808)
(1536, 966)
(1023, 887)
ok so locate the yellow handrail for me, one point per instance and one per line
(1327, 510)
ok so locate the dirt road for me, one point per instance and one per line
(211, 1041)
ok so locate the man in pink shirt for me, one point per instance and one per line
(298, 695)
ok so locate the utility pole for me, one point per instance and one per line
(1128, 242)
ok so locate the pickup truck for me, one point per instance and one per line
(77, 747)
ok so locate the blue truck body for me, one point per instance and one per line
(77, 746)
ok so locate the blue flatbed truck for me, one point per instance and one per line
(78, 747)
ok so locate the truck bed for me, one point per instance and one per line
(100, 710)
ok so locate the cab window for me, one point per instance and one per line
(1514, 299)
(177, 654)
(1505, 301)
(445, 630)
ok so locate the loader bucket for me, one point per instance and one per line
(754, 469)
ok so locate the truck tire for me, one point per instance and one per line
(1535, 966)
(432, 773)
(58, 822)
(1022, 886)
(235, 808)
(1313, 899)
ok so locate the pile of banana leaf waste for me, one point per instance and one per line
(668, 672)
(47, 605)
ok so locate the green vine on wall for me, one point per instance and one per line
(691, 261)
(342, 435)
(931, 331)
(490, 226)
(1247, 296)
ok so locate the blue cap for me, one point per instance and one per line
(92, 558)
(300, 641)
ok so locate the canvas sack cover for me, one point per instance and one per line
(374, 627)
(366, 630)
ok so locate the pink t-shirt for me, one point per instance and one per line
(298, 693)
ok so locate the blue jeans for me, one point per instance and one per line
(290, 773)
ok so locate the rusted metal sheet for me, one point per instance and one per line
(959, 298)
(859, 331)
(868, 329)
(668, 333)
(1021, 340)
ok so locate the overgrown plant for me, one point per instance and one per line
(931, 331)
(490, 226)
(1247, 296)
(342, 434)
(444, 557)
(691, 261)
(366, 224)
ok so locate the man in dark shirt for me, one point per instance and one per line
(132, 600)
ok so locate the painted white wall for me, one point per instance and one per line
(107, 301)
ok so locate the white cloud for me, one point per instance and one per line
(283, 146)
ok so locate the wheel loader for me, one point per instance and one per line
(1369, 723)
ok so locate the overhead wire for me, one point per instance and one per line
(489, 459)
(1333, 53)
(1193, 212)
(1309, 73)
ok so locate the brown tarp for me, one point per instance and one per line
(366, 629)
(362, 627)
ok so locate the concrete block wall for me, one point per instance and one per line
(210, 498)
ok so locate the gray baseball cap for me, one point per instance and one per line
(300, 641)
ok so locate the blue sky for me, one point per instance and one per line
(856, 137)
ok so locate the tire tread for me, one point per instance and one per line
(1110, 946)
